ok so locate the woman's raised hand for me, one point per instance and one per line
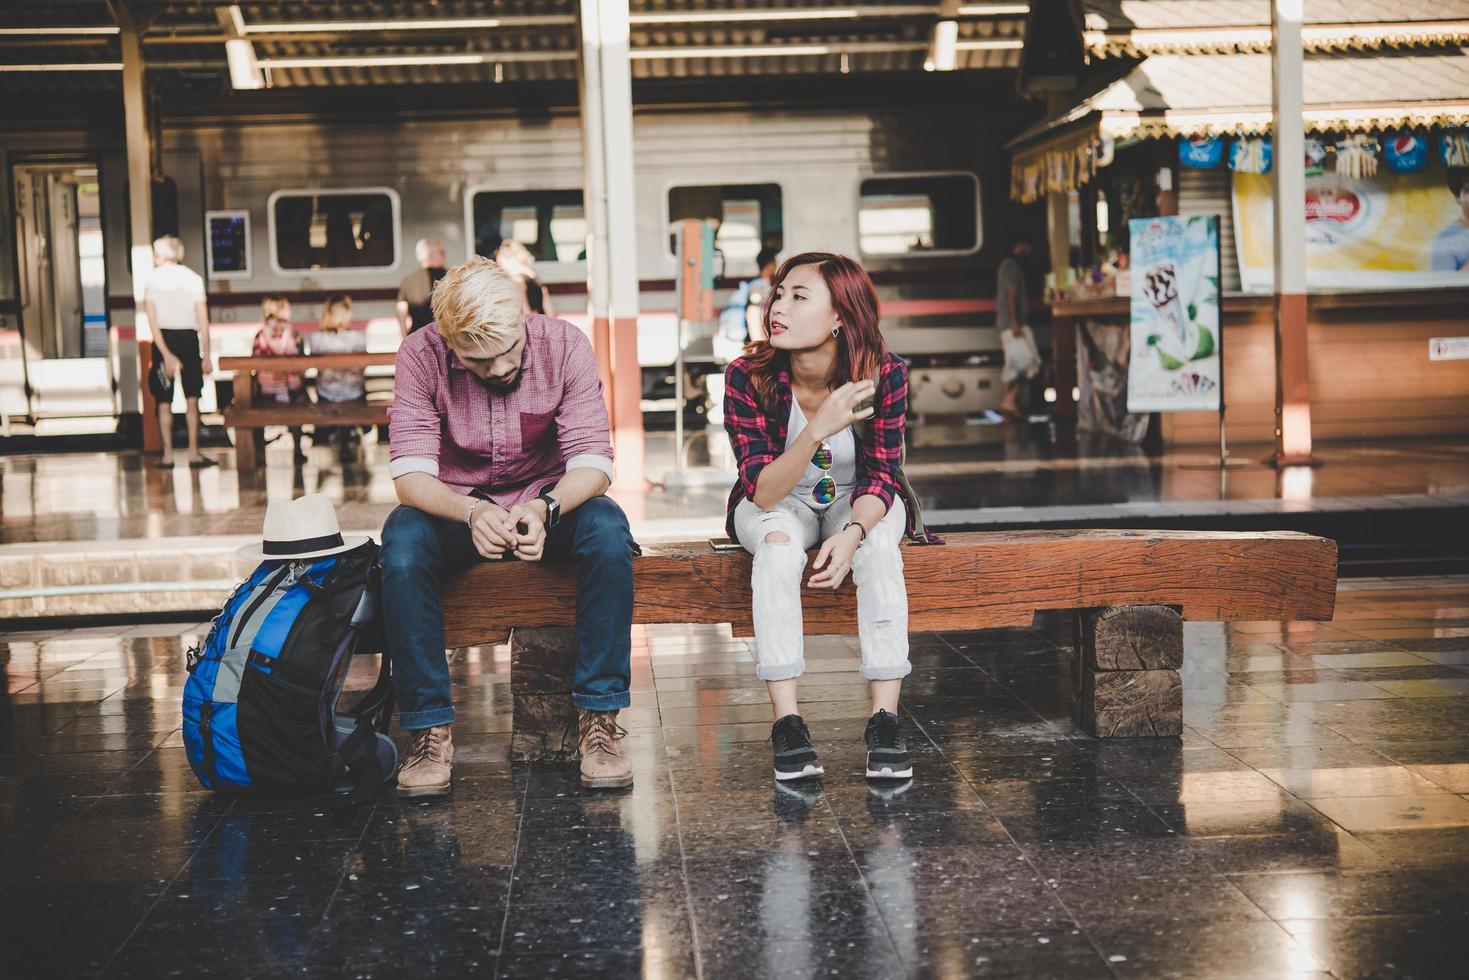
(842, 407)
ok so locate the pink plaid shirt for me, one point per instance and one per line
(504, 446)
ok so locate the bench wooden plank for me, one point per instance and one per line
(303, 362)
(981, 580)
(309, 413)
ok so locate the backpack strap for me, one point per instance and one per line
(920, 534)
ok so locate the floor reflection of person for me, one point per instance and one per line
(793, 406)
(1450, 249)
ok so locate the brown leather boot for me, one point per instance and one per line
(603, 766)
(430, 763)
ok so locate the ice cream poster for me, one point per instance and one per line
(1175, 364)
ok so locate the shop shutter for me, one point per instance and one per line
(1208, 192)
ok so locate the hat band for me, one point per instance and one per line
(300, 545)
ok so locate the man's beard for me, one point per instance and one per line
(510, 385)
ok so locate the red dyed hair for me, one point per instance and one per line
(860, 346)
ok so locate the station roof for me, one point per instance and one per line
(1201, 95)
(1138, 28)
(353, 43)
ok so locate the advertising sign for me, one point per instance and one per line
(1387, 231)
(1175, 364)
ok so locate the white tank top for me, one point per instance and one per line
(841, 449)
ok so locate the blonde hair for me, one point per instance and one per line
(168, 249)
(336, 312)
(515, 256)
(271, 305)
(478, 302)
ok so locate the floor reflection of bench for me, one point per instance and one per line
(246, 413)
(1130, 592)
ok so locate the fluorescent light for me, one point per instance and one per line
(245, 71)
(85, 66)
(403, 60)
(57, 31)
(774, 50)
(739, 16)
(942, 53)
(446, 24)
(1005, 44)
(994, 9)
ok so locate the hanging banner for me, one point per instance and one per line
(1387, 231)
(1175, 363)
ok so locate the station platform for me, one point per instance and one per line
(90, 534)
(1313, 820)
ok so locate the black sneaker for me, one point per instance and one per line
(887, 751)
(795, 756)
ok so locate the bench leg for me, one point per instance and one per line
(246, 457)
(1125, 672)
(542, 664)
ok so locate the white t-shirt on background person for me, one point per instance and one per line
(173, 290)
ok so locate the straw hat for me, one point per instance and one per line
(302, 528)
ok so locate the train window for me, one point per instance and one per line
(919, 214)
(552, 224)
(228, 244)
(749, 217)
(312, 230)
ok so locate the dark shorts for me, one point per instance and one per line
(183, 344)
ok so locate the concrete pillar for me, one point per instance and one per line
(140, 207)
(1292, 390)
(612, 266)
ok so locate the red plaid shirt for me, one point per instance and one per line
(506, 446)
(758, 439)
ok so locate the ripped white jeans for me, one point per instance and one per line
(877, 571)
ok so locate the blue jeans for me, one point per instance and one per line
(421, 551)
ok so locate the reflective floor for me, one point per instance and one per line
(966, 475)
(1313, 821)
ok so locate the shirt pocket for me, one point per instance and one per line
(535, 429)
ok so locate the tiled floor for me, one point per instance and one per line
(1312, 821)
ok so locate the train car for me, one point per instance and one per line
(310, 208)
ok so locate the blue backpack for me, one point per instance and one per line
(262, 703)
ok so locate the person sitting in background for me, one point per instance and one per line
(278, 338)
(517, 260)
(334, 335)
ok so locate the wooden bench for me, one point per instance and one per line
(244, 414)
(1130, 592)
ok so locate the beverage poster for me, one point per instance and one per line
(1387, 231)
(1175, 362)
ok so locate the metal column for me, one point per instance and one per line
(140, 206)
(606, 77)
(1292, 389)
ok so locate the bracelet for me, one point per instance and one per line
(858, 527)
(469, 518)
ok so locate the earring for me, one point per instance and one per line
(835, 331)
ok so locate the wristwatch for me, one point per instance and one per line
(553, 509)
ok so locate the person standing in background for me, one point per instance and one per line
(1022, 359)
(178, 313)
(517, 260)
(416, 289)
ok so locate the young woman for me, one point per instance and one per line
(334, 335)
(815, 415)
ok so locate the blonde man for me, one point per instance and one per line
(501, 450)
(178, 314)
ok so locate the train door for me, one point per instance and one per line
(66, 356)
